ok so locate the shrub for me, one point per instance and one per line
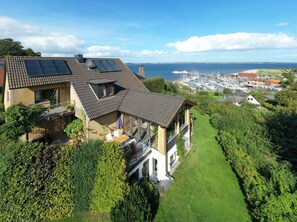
(268, 183)
(84, 172)
(35, 182)
(154, 84)
(111, 178)
(75, 130)
(134, 207)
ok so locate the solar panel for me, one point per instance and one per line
(106, 65)
(100, 67)
(113, 65)
(62, 67)
(46, 67)
(33, 68)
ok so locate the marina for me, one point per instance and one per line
(243, 81)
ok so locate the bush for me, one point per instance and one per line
(111, 178)
(75, 130)
(269, 184)
(154, 84)
(84, 172)
(134, 207)
(35, 182)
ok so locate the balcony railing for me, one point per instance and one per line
(54, 110)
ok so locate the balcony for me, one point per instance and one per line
(136, 153)
(54, 111)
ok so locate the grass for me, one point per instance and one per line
(205, 187)
(270, 72)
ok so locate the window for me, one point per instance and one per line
(47, 95)
(172, 158)
(171, 131)
(106, 91)
(181, 117)
(103, 90)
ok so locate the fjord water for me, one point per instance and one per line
(165, 70)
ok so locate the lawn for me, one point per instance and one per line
(205, 187)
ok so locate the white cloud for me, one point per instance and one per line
(282, 24)
(38, 39)
(105, 51)
(146, 52)
(113, 51)
(235, 41)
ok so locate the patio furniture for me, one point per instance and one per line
(121, 138)
(116, 134)
(109, 137)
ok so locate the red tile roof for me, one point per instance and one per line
(1, 72)
(247, 75)
(1, 75)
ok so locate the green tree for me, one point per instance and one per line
(111, 178)
(14, 48)
(20, 119)
(134, 207)
(227, 91)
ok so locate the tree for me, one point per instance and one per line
(111, 178)
(134, 207)
(20, 119)
(14, 48)
(227, 91)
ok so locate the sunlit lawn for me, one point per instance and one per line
(205, 187)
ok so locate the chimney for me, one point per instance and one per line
(79, 58)
(141, 71)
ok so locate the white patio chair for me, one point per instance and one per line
(116, 134)
(109, 137)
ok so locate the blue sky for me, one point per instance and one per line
(156, 31)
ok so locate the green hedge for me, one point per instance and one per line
(154, 84)
(35, 182)
(40, 182)
(269, 183)
(111, 178)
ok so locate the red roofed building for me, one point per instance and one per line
(1, 71)
(247, 75)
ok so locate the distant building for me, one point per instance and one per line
(245, 76)
(2, 71)
(238, 98)
(141, 71)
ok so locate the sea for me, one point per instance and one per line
(165, 70)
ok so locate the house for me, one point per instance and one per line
(238, 98)
(110, 98)
(246, 76)
(2, 63)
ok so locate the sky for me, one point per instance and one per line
(156, 31)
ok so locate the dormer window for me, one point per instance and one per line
(102, 88)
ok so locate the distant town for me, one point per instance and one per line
(251, 80)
